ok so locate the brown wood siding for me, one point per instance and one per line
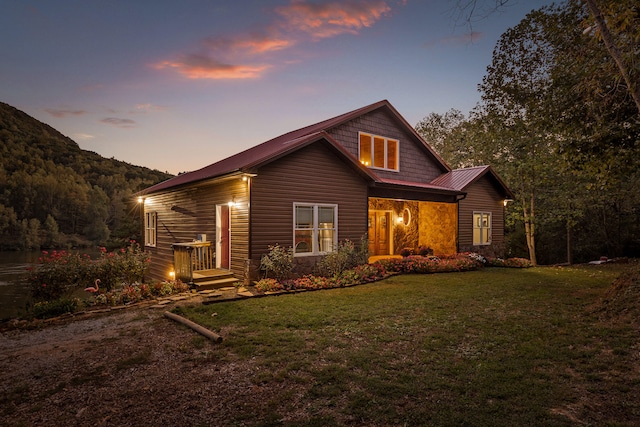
(416, 164)
(314, 174)
(183, 214)
(481, 197)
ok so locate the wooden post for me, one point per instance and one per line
(199, 329)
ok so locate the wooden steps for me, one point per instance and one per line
(213, 279)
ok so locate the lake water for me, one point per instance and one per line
(14, 295)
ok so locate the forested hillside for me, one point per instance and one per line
(54, 194)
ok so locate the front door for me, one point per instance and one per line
(223, 237)
(379, 233)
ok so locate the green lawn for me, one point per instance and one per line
(497, 347)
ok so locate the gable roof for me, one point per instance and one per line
(461, 179)
(247, 161)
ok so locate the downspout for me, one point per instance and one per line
(458, 198)
(250, 225)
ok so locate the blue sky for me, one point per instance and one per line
(177, 85)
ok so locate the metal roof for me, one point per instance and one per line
(453, 181)
(460, 179)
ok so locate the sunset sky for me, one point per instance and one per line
(177, 85)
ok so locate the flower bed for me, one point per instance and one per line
(136, 292)
(412, 264)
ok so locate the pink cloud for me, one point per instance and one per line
(255, 43)
(59, 113)
(324, 20)
(195, 66)
(249, 56)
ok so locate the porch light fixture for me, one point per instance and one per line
(505, 201)
(232, 203)
(140, 200)
(172, 274)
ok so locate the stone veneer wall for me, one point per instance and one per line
(439, 227)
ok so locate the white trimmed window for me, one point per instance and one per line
(150, 221)
(379, 152)
(315, 228)
(482, 228)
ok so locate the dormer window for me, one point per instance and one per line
(379, 152)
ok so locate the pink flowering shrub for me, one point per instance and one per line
(269, 285)
(124, 266)
(416, 264)
(59, 273)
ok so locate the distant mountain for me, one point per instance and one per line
(54, 194)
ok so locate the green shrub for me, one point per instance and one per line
(347, 255)
(278, 263)
(57, 307)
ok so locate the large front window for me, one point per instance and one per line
(315, 228)
(481, 228)
(379, 152)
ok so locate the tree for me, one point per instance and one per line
(620, 27)
(52, 234)
(558, 124)
(615, 22)
(439, 131)
(30, 234)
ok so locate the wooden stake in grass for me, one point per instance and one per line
(199, 329)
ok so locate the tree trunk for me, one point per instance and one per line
(613, 50)
(569, 257)
(529, 229)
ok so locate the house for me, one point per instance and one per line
(366, 173)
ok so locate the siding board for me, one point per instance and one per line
(314, 174)
(184, 213)
(416, 164)
(481, 196)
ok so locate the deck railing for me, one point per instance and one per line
(192, 256)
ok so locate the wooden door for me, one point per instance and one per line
(223, 237)
(379, 233)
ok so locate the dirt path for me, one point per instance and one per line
(131, 367)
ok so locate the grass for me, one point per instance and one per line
(495, 347)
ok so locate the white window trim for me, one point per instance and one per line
(386, 155)
(490, 227)
(150, 228)
(315, 229)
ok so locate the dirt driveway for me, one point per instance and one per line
(131, 367)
